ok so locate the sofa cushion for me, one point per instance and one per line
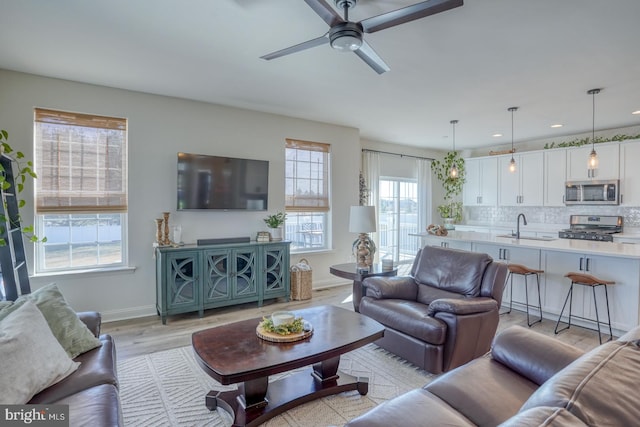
(544, 416)
(31, 359)
(72, 334)
(452, 270)
(484, 391)
(416, 408)
(599, 388)
(97, 366)
(428, 294)
(409, 317)
(95, 406)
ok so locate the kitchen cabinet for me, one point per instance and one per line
(623, 295)
(608, 162)
(555, 176)
(481, 186)
(525, 186)
(513, 255)
(195, 278)
(629, 174)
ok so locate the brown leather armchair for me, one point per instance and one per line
(444, 314)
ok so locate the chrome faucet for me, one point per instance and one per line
(524, 222)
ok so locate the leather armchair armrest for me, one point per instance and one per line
(531, 354)
(396, 287)
(92, 319)
(462, 306)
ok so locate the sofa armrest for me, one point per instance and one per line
(462, 306)
(92, 319)
(396, 287)
(531, 354)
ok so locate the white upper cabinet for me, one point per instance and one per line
(630, 174)
(608, 158)
(481, 186)
(525, 186)
(555, 176)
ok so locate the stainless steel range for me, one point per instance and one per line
(592, 227)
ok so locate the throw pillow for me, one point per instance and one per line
(72, 334)
(31, 357)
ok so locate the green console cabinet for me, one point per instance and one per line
(195, 278)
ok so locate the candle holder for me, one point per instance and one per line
(166, 240)
(159, 239)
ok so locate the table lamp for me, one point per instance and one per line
(362, 220)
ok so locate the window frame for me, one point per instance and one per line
(109, 200)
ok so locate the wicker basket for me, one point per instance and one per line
(301, 281)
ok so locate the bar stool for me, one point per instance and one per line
(587, 280)
(525, 272)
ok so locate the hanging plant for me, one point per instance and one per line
(578, 142)
(452, 186)
(22, 172)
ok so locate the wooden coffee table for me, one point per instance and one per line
(233, 353)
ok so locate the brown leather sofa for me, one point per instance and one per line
(444, 314)
(91, 391)
(528, 379)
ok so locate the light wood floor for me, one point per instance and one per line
(147, 335)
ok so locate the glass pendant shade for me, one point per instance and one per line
(512, 165)
(593, 160)
(453, 172)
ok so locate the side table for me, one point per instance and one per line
(350, 271)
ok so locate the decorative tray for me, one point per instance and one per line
(274, 337)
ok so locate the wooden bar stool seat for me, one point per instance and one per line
(525, 272)
(593, 282)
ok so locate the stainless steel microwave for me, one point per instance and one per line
(592, 192)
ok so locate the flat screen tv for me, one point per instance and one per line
(224, 183)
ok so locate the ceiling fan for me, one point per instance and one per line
(347, 36)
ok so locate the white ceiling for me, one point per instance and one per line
(470, 63)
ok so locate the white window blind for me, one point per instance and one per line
(81, 161)
(306, 176)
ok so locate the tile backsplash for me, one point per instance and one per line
(547, 215)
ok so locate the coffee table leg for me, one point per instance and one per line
(253, 393)
(327, 370)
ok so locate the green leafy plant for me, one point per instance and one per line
(578, 142)
(294, 327)
(275, 220)
(452, 186)
(22, 172)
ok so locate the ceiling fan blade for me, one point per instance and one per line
(368, 55)
(297, 48)
(407, 14)
(326, 12)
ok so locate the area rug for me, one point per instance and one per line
(168, 389)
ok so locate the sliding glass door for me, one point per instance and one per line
(398, 216)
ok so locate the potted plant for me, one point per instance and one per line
(451, 209)
(275, 223)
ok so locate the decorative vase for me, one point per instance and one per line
(448, 223)
(276, 233)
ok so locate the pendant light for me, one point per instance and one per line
(512, 162)
(593, 156)
(453, 172)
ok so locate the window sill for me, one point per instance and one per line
(312, 251)
(87, 272)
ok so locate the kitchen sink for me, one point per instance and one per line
(541, 239)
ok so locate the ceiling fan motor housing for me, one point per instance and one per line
(346, 36)
(341, 4)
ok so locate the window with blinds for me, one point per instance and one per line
(307, 198)
(81, 190)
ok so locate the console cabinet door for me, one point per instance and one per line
(182, 282)
(217, 278)
(275, 268)
(244, 273)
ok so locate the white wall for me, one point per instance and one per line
(159, 127)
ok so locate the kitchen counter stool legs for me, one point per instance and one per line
(593, 282)
(524, 272)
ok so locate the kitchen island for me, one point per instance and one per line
(608, 260)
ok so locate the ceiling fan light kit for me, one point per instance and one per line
(347, 36)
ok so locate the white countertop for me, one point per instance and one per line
(622, 250)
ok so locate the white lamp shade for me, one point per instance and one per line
(362, 219)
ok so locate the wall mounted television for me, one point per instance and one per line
(222, 183)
